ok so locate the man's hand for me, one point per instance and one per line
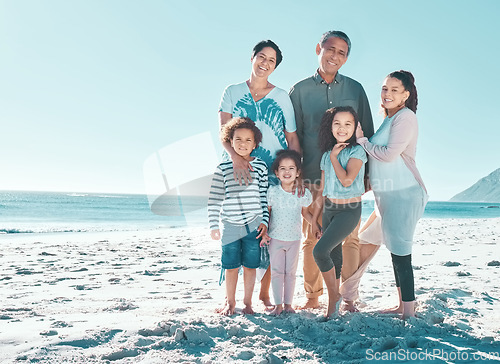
(316, 230)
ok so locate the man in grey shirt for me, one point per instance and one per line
(311, 97)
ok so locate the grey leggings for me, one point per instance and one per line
(338, 222)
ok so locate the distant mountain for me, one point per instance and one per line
(487, 189)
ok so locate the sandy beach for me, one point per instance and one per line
(150, 297)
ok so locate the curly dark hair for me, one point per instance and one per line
(326, 139)
(287, 153)
(408, 82)
(240, 122)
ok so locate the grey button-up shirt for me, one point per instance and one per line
(311, 97)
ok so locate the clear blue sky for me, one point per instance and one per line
(89, 89)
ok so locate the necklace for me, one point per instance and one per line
(256, 92)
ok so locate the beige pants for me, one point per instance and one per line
(313, 280)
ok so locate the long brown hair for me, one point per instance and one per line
(326, 140)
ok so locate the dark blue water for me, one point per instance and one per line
(40, 212)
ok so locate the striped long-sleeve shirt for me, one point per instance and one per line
(235, 203)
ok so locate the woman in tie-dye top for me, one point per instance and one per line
(267, 105)
(272, 111)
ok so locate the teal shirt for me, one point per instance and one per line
(333, 188)
(311, 98)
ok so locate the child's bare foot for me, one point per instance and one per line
(266, 301)
(220, 309)
(289, 308)
(277, 310)
(311, 303)
(228, 310)
(349, 306)
(269, 308)
(333, 305)
(248, 310)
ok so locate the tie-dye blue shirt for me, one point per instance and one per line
(272, 114)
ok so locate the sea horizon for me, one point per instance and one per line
(48, 212)
(367, 198)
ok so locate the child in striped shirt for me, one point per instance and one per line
(242, 211)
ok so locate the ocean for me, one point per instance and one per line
(50, 212)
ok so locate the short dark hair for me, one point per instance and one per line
(337, 34)
(408, 82)
(268, 43)
(326, 139)
(228, 129)
(284, 154)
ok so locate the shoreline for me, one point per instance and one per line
(200, 226)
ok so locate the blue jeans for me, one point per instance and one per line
(244, 251)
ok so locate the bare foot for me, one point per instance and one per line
(311, 303)
(406, 316)
(408, 310)
(277, 310)
(393, 311)
(220, 309)
(349, 307)
(248, 310)
(333, 305)
(266, 301)
(289, 309)
(228, 310)
(269, 308)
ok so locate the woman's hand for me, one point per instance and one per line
(215, 234)
(241, 170)
(262, 229)
(359, 132)
(337, 148)
(316, 230)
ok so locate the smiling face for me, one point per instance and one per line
(393, 95)
(331, 56)
(243, 142)
(287, 171)
(343, 126)
(264, 62)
